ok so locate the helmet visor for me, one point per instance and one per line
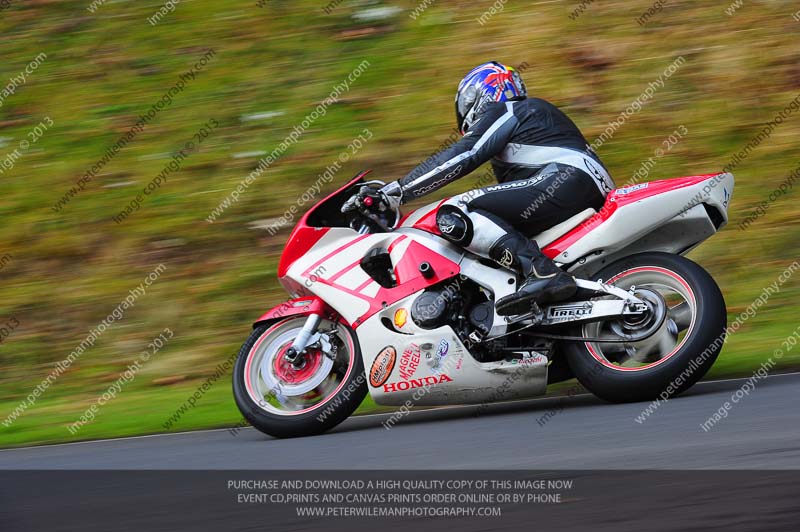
(466, 99)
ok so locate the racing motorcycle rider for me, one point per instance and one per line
(546, 172)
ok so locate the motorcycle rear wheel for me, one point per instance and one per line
(679, 354)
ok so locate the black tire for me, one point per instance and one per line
(319, 418)
(677, 372)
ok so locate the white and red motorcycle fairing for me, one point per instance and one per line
(321, 267)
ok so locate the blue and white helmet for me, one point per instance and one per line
(489, 82)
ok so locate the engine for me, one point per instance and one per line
(461, 303)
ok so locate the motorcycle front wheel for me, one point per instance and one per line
(286, 401)
(689, 332)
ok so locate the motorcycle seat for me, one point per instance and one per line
(559, 230)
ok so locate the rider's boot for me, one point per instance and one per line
(544, 281)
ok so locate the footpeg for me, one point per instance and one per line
(536, 315)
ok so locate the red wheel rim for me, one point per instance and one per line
(690, 293)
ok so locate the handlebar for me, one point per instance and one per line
(373, 215)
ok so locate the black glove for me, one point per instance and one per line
(365, 198)
(368, 198)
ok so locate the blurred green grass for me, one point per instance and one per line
(70, 269)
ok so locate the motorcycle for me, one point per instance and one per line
(383, 304)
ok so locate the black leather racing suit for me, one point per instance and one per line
(546, 173)
(532, 145)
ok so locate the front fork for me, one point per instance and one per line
(310, 337)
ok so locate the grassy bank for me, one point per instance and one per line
(69, 268)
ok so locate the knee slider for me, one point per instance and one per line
(454, 224)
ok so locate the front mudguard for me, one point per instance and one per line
(301, 306)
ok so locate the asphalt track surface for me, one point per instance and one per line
(660, 475)
(761, 431)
